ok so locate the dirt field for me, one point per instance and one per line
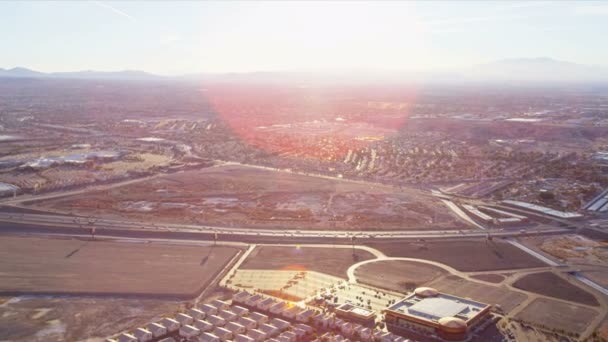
(490, 278)
(41, 319)
(573, 248)
(557, 315)
(332, 261)
(464, 255)
(489, 294)
(56, 266)
(252, 197)
(549, 284)
(400, 276)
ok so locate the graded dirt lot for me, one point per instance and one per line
(549, 284)
(61, 266)
(490, 278)
(557, 315)
(485, 293)
(332, 261)
(242, 196)
(464, 255)
(42, 319)
(397, 275)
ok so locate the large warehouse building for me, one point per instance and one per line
(432, 312)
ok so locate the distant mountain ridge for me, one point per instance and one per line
(516, 70)
(20, 72)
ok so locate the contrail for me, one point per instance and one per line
(113, 9)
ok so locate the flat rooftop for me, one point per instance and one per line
(439, 306)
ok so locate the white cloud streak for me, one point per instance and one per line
(114, 9)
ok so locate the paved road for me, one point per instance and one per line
(35, 223)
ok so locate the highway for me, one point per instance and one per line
(38, 223)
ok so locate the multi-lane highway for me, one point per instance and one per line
(40, 223)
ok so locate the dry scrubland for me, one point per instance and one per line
(56, 266)
(464, 255)
(557, 315)
(43, 319)
(253, 197)
(549, 284)
(332, 261)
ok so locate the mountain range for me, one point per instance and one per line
(527, 70)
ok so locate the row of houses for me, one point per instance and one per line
(218, 321)
(343, 321)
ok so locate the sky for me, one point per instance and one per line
(172, 38)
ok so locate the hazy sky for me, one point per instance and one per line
(183, 37)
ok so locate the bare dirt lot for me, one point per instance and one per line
(395, 275)
(61, 266)
(572, 248)
(41, 319)
(332, 261)
(253, 197)
(464, 255)
(557, 315)
(489, 294)
(549, 284)
(490, 278)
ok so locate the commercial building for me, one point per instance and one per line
(357, 314)
(429, 311)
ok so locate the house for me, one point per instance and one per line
(125, 337)
(239, 310)
(143, 335)
(269, 330)
(265, 304)
(222, 333)
(243, 338)
(300, 333)
(278, 308)
(248, 323)
(305, 327)
(291, 335)
(203, 326)
(220, 304)
(259, 318)
(196, 313)
(156, 329)
(240, 297)
(235, 328)
(228, 315)
(184, 319)
(170, 324)
(208, 309)
(189, 331)
(168, 339)
(291, 312)
(287, 336)
(208, 337)
(252, 301)
(281, 324)
(305, 316)
(257, 335)
(217, 321)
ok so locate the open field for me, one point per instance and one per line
(253, 197)
(332, 261)
(397, 275)
(57, 266)
(41, 319)
(490, 278)
(549, 284)
(572, 248)
(464, 255)
(557, 315)
(489, 294)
